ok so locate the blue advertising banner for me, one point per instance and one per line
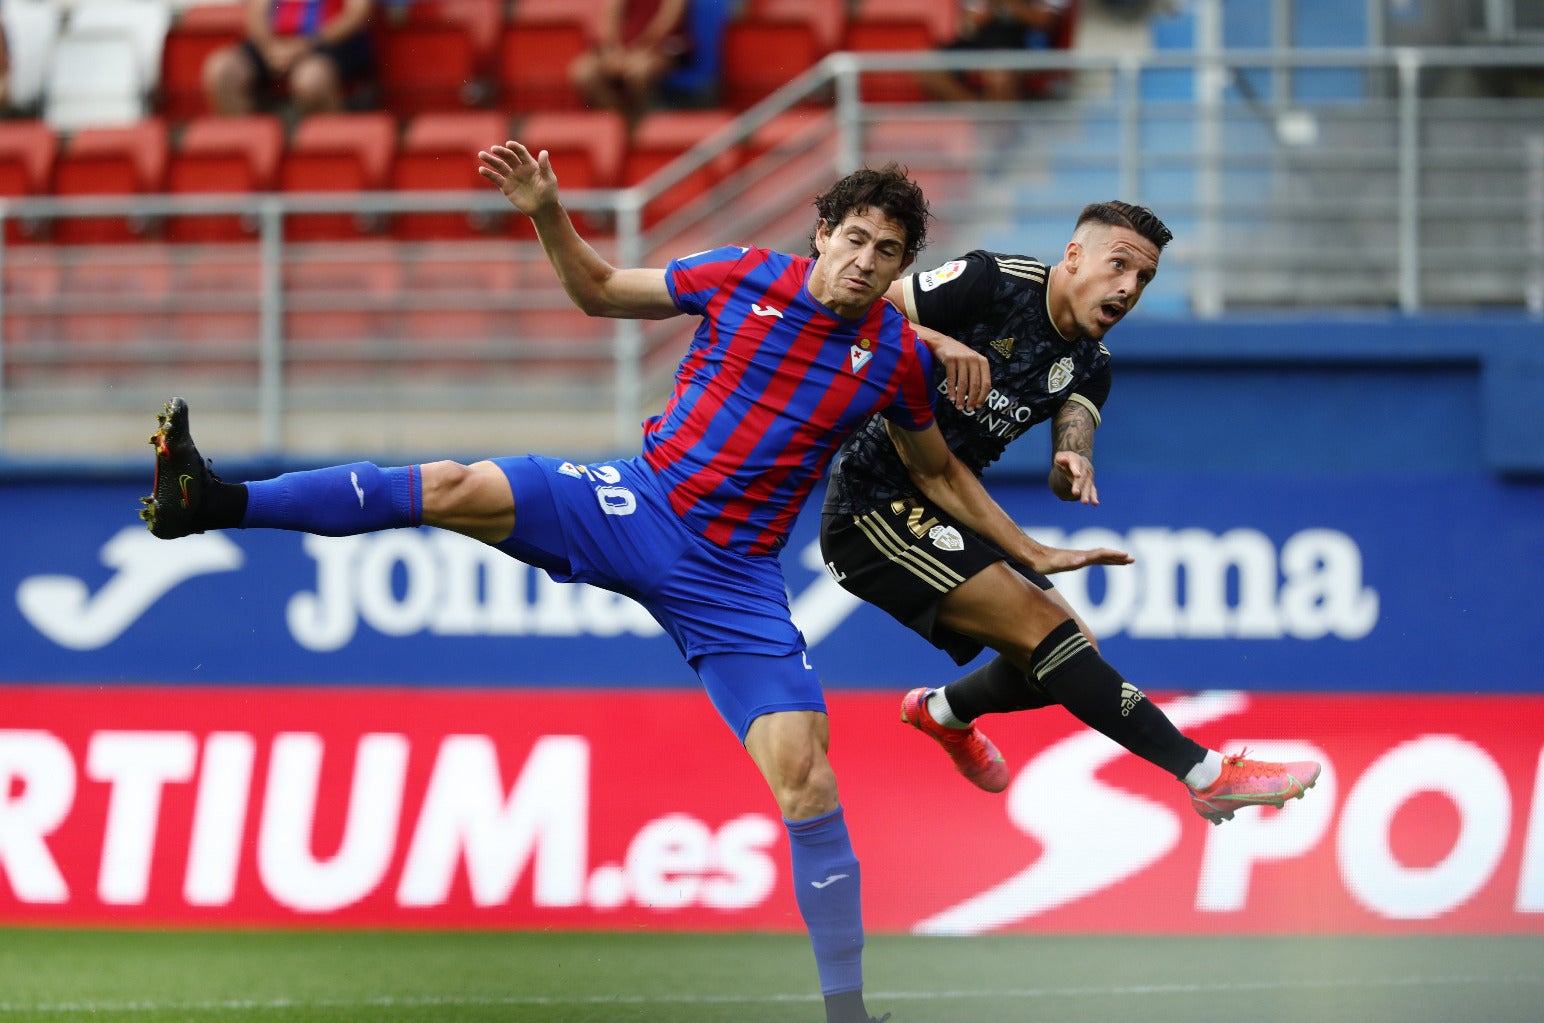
(1334, 582)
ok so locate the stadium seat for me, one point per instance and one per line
(94, 79)
(540, 41)
(110, 161)
(439, 153)
(883, 29)
(343, 152)
(940, 21)
(664, 135)
(437, 54)
(216, 315)
(772, 42)
(789, 133)
(586, 146)
(31, 29)
(144, 23)
(197, 32)
(27, 153)
(223, 155)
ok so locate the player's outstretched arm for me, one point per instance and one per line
(967, 373)
(1072, 458)
(596, 287)
(945, 481)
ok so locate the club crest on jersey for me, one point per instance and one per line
(943, 275)
(861, 353)
(1060, 375)
(946, 538)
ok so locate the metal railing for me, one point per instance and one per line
(1404, 179)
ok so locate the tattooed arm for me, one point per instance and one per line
(1072, 453)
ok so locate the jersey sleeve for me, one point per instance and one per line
(948, 297)
(693, 280)
(913, 405)
(1093, 392)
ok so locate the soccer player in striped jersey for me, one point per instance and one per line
(1030, 348)
(791, 354)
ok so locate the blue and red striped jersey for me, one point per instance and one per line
(772, 383)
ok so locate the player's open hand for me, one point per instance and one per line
(1055, 559)
(1077, 476)
(527, 181)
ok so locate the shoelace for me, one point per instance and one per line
(1245, 767)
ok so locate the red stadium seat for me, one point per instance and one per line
(664, 135)
(772, 42)
(223, 155)
(888, 36)
(110, 161)
(586, 146)
(27, 153)
(940, 21)
(827, 20)
(439, 153)
(540, 41)
(336, 153)
(198, 31)
(437, 54)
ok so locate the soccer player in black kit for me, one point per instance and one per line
(1038, 331)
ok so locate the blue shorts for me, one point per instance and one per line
(610, 525)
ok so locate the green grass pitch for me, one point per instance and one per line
(333, 976)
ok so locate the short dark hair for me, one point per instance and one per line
(1123, 214)
(888, 190)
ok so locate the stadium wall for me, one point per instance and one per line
(1338, 528)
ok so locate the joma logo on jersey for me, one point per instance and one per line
(1060, 375)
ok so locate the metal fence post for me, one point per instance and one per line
(270, 327)
(1533, 288)
(1409, 254)
(628, 351)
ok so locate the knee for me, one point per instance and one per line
(225, 71)
(804, 786)
(314, 84)
(444, 481)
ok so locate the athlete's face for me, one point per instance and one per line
(1107, 269)
(858, 259)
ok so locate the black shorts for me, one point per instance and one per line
(354, 58)
(904, 557)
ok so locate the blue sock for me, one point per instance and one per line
(827, 885)
(341, 500)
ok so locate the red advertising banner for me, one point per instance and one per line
(600, 809)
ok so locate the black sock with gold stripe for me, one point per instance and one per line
(1067, 664)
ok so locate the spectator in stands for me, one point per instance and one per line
(1000, 25)
(316, 50)
(5, 73)
(639, 42)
